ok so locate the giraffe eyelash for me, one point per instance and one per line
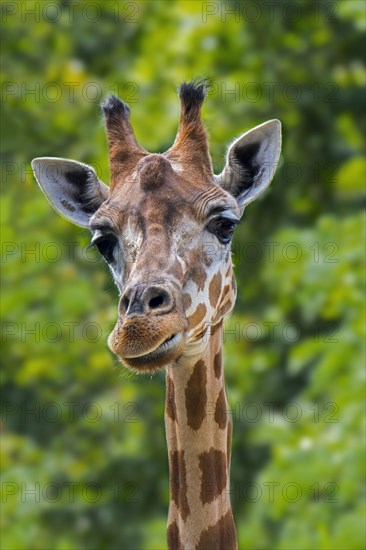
(106, 245)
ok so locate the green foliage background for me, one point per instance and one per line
(294, 352)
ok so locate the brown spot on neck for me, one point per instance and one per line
(173, 537)
(213, 465)
(220, 410)
(221, 536)
(196, 395)
(218, 364)
(170, 399)
(178, 482)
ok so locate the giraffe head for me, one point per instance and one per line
(164, 226)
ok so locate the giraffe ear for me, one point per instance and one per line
(71, 187)
(251, 162)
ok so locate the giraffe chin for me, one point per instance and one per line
(148, 342)
(164, 354)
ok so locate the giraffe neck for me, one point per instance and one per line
(198, 430)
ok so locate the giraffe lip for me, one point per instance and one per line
(164, 348)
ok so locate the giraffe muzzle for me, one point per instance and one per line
(151, 327)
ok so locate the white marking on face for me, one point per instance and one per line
(126, 253)
(176, 167)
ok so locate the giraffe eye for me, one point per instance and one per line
(223, 228)
(106, 247)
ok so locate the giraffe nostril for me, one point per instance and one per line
(139, 301)
(156, 302)
(157, 299)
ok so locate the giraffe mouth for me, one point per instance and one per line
(162, 351)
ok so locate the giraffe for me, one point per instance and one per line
(164, 227)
